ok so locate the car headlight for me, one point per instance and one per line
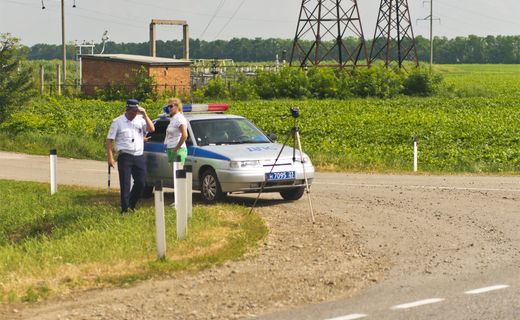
(244, 164)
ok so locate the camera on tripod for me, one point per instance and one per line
(295, 112)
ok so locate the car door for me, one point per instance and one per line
(157, 165)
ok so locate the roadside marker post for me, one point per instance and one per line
(414, 154)
(189, 190)
(176, 166)
(53, 160)
(160, 228)
(180, 204)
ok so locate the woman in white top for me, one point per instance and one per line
(177, 132)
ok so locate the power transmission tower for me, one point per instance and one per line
(393, 38)
(431, 18)
(327, 22)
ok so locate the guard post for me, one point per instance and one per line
(54, 180)
(180, 204)
(189, 191)
(160, 228)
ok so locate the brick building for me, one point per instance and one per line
(100, 70)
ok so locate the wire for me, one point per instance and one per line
(231, 18)
(480, 14)
(213, 17)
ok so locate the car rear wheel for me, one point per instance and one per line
(293, 194)
(210, 190)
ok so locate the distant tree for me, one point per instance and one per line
(471, 49)
(16, 79)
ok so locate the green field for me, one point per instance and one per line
(489, 80)
(470, 126)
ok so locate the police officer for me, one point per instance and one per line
(128, 132)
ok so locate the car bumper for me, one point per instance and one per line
(252, 180)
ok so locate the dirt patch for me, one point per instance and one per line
(298, 263)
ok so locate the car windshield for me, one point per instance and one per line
(226, 131)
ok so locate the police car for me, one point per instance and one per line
(228, 154)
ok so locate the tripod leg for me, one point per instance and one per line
(307, 188)
(272, 167)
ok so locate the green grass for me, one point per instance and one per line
(77, 239)
(70, 146)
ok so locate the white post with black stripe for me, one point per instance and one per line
(415, 154)
(160, 226)
(176, 166)
(180, 204)
(189, 190)
(54, 180)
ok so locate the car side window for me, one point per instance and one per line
(160, 132)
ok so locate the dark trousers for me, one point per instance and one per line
(130, 166)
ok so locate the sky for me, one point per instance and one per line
(128, 20)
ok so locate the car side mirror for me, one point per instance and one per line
(272, 136)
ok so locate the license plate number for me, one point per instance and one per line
(284, 175)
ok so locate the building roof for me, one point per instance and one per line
(155, 61)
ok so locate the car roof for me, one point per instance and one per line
(203, 116)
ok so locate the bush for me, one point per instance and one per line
(376, 81)
(292, 83)
(138, 85)
(266, 85)
(421, 82)
(217, 89)
(243, 89)
(16, 79)
(323, 83)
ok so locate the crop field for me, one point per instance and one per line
(471, 126)
(483, 79)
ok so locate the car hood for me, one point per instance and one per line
(247, 151)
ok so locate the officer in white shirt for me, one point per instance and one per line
(128, 132)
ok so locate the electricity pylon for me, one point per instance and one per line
(326, 23)
(394, 41)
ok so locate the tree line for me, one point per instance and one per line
(470, 49)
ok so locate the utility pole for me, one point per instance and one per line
(430, 17)
(63, 44)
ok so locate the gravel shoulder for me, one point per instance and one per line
(369, 229)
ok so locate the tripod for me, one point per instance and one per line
(295, 134)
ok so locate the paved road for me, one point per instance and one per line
(453, 240)
(16, 166)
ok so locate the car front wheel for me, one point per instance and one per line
(211, 191)
(293, 194)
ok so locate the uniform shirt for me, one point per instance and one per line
(173, 132)
(128, 135)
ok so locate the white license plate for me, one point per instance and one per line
(284, 175)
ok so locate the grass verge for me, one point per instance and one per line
(76, 239)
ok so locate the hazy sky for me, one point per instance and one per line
(128, 20)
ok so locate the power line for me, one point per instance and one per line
(213, 17)
(231, 18)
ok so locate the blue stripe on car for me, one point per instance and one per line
(155, 147)
(192, 151)
(201, 153)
